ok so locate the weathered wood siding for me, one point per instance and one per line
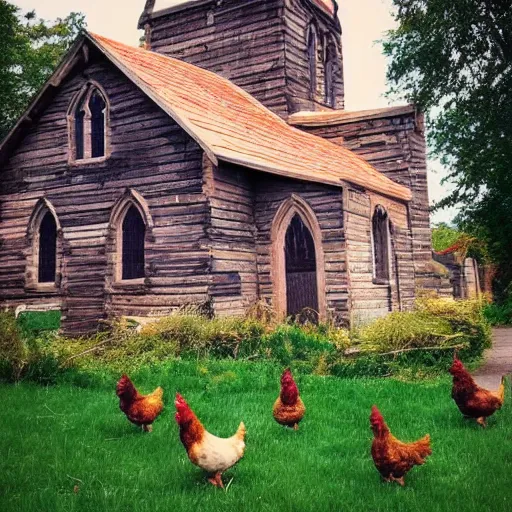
(260, 45)
(369, 300)
(149, 153)
(241, 41)
(394, 145)
(232, 238)
(327, 205)
(298, 16)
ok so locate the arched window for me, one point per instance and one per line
(133, 235)
(380, 235)
(47, 265)
(329, 71)
(88, 119)
(312, 59)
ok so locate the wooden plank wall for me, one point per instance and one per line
(327, 204)
(369, 300)
(395, 145)
(232, 234)
(242, 41)
(151, 154)
(299, 14)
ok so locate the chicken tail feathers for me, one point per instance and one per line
(125, 387)
(158, 393)
(500, 393)
(240, 433)
(423, 445)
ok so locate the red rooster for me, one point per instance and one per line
(289, 408)
(393, 458)
(472, 400)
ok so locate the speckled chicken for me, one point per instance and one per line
(142, 410)
(289, 408)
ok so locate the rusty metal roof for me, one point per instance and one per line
(230, 125)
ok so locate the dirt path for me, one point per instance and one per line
(498, 359)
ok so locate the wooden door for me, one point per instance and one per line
(301, 278)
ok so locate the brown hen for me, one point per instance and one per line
(393, 458)
(472, 400)
(142, 410)
(289, 408)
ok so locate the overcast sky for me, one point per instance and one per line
(363, 22)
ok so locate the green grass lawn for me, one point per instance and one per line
(57, 437)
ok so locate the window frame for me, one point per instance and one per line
(378, 279)
(84, 97)
(32, 283)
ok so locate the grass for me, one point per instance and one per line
(54, 438)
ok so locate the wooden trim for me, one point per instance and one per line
(115, 244)
(42, 207)
(292, 206)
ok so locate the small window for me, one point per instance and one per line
(312, 59)
(134, 232)
(380, 234)
(330, 66)
(88, 121)
(47, 249)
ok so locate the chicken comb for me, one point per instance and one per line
(376, 417)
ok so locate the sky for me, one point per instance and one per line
(363, 23)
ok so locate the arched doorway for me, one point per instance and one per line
(300, 265)
(297, 265)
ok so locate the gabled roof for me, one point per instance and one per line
(336, 117)
(230, 125)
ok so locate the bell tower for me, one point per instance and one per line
(286, 53)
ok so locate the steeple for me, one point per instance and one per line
(286, 53)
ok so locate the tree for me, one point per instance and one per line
(453, 58)
(31, 49)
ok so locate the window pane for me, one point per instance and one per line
(312, 60)
(134, 231)
(47, 249)
(97, 108)
(79, 134)
(381, 244)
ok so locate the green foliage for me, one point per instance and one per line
(405, 330)
(31, 50)
(56, 438)
(454, 59)
(444, 236)
(324, 349)
(499, 314)
(13, 350)
(36, 321)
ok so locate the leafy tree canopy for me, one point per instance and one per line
(454, 59)
(31, 48)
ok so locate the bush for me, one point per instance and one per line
(13, 350)
(465, 317)
(405, 330)
(499, 313)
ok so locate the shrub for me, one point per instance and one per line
(499, 314)
(404, 330)
(13, 351)
(465, 317)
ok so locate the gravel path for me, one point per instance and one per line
(498, 359)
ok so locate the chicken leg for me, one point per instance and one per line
(217, 480)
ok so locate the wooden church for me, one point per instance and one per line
(214, 166)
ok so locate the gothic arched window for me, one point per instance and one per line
(88, 119)
(47, 250)
(312, 59)
(329, 73)
(381, 245)
(133, 235)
